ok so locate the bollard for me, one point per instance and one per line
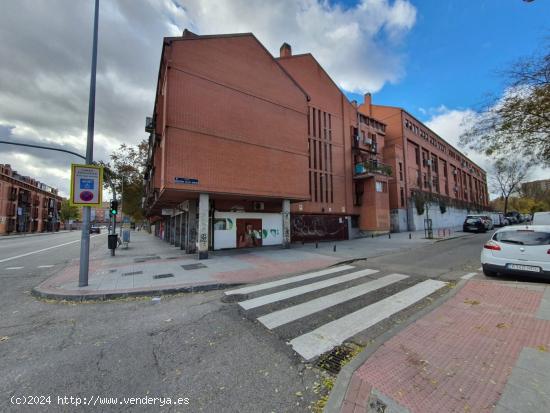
(389, 235)
(372, 235)
(316, 245)
(410, 235)
(334, 249)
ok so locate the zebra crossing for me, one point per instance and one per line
(320, 310)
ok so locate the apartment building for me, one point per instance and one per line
(246, 150)
(428, 165)
(26, 205)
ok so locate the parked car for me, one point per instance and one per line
(541, 218)
(514, 217)
(487, 220)
(518, 251)
(95, 229)
(474, 223)
(499, 220)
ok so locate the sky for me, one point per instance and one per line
(440, 60)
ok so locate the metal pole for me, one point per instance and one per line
(85, 238)
(120, 206)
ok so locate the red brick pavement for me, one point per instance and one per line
(458, 357)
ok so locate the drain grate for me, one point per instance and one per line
(173, 258)
(133, 273)
(338, 358)
(193, 266)
(156, 277)
(111, 271)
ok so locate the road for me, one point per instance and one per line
(190, 345)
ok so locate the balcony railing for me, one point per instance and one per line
(372, 167)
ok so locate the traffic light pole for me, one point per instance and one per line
(85, 237)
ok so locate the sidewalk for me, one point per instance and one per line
(484, 350)
(151, 266)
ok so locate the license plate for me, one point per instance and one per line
(523, 267)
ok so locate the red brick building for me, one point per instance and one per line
(26, 205)
(425, 163)
(246, 149)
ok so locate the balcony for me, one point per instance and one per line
(369, 168)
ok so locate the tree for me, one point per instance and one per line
(507, 176)
(519, 121)
(124, 175)
(68, 212)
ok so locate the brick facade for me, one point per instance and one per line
(26, 205)
(250, 132)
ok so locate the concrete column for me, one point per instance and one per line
(191, 238)
(286, 223)
(203, 226)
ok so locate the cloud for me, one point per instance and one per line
(46, 52)
(357, 46)
(451, 123)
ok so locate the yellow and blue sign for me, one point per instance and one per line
(86, 185)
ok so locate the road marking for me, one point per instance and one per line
(289, 280)
(14, 268)
(293, 292)
(45, 266)
(332, 334)
(43, 249)
(469, 275)
(296, 312)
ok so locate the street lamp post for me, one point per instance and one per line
(85, 237)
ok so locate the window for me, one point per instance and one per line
(400, 171)
(523, 237)
(358, 193)
(402, 193)
(379, 186)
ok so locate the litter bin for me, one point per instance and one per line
(112, 241)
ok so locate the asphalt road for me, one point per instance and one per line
(190, 345)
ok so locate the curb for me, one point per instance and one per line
(33, 234)
(338, 393)
(38, 293)
(60, 296)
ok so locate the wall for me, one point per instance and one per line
(272, 228)
(453, 217)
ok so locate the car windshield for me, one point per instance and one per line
(472, 220)
(523, 237)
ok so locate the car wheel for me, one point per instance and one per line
(489, 273)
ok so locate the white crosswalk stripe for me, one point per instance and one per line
(322, 339)
(315, 319)
(278, 318)
(289, 280)
(293, 292)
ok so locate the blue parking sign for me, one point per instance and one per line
(86, 184)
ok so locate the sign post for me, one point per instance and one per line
(86, 191)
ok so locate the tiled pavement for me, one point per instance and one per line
(486, 349)
(152, 265)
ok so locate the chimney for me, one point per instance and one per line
(285, 50)
(188, 33)
(368, 103)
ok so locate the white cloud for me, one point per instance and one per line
(451, 123)
(46, 48)
(356, 46)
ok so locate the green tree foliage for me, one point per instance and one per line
(124, 175)
(519, 121)
(68, 212)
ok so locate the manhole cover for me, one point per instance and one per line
(338, 358)
(193, 266)
(133, 273)
(156, 277)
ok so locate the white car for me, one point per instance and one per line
(541, 218)
(518, 250)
